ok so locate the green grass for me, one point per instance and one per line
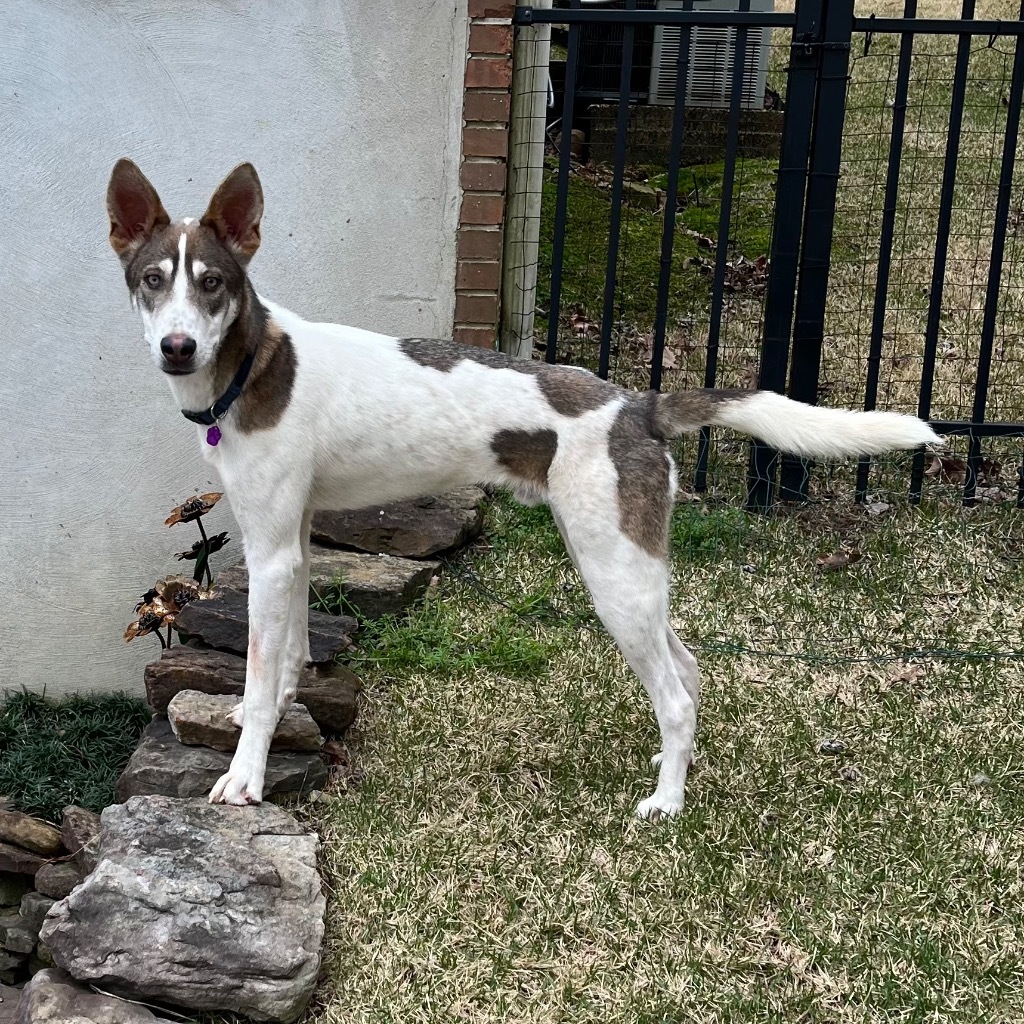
(69, 751)
(488, 867)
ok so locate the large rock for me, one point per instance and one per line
(330, 699)
(412, 529)
(161, 765)
(199, 905)
(15, 934)
(374, 585)
(28, 832)
(13, 967)
(222, 622)
(79, 831)
(18, 861)
(201, 719)
(54, 997)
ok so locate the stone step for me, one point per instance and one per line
(201, 719)
(409, 529)
(374, 585)
(161, 765)
(207, 907)
(329, 695)
(222, 622)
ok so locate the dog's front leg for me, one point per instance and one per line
(275, 658)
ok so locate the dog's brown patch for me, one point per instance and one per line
(568, 390)
(644, 484)
(526, 454)
(681, 411)
(269, 388)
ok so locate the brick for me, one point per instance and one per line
(476, 309)
(478, 276)
(482, 337)
(492, 8)
(483, 177)
(482, 209)
(488, 73)
(477, 244)
(490, 39)
(485, 142)
(492, 107)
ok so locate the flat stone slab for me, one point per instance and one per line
(410, 529)
(28, 832)
(18, 861)
(54, 997)
(198, 905)
(161, 765)
(201, 719)
(331, 701)
(222, 622)
(374, 585)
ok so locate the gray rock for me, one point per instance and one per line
(15, 935)
(54, 997)
(44, 956)
(329, 697)
(29, 833)
(222, 622)
(162, 765)
(12, 888)
(10, 998)
(199, 905)
(411, 529)
(58, 879)
(13, 967)
(15, 860)
(79, 832)
(201, 719)
(34, 907)
(374, 585)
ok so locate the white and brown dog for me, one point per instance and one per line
(299, 416)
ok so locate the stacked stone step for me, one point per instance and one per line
(39, 865)
(235, 886)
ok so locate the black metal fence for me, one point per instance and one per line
(870, 253)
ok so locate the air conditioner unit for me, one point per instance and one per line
(712, 58)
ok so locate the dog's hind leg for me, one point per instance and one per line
(630, 590)
(273, 552)
(689, 676)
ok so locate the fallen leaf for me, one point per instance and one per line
(947, 468)
(876, 508)
(832, 748)
(839, 559)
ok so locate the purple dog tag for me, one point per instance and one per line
(213, 436)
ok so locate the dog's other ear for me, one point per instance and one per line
(235, 210)
(134, 207)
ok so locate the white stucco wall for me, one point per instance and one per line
(351, 112)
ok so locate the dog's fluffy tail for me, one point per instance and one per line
(790, 426)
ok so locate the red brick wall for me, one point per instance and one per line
(485, 117)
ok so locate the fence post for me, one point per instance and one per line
(819, 219)
(527, 121)
(790, 190)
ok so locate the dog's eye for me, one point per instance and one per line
(211, 283)
(153, 280)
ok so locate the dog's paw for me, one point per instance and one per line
(654, 808)
(236, 715)
(236, 788)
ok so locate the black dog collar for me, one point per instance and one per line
(209, 417)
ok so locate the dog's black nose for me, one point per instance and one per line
(178, 349)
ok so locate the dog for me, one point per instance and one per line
(298, 416)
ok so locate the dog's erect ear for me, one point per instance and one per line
(134, 207)
(235, 210)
